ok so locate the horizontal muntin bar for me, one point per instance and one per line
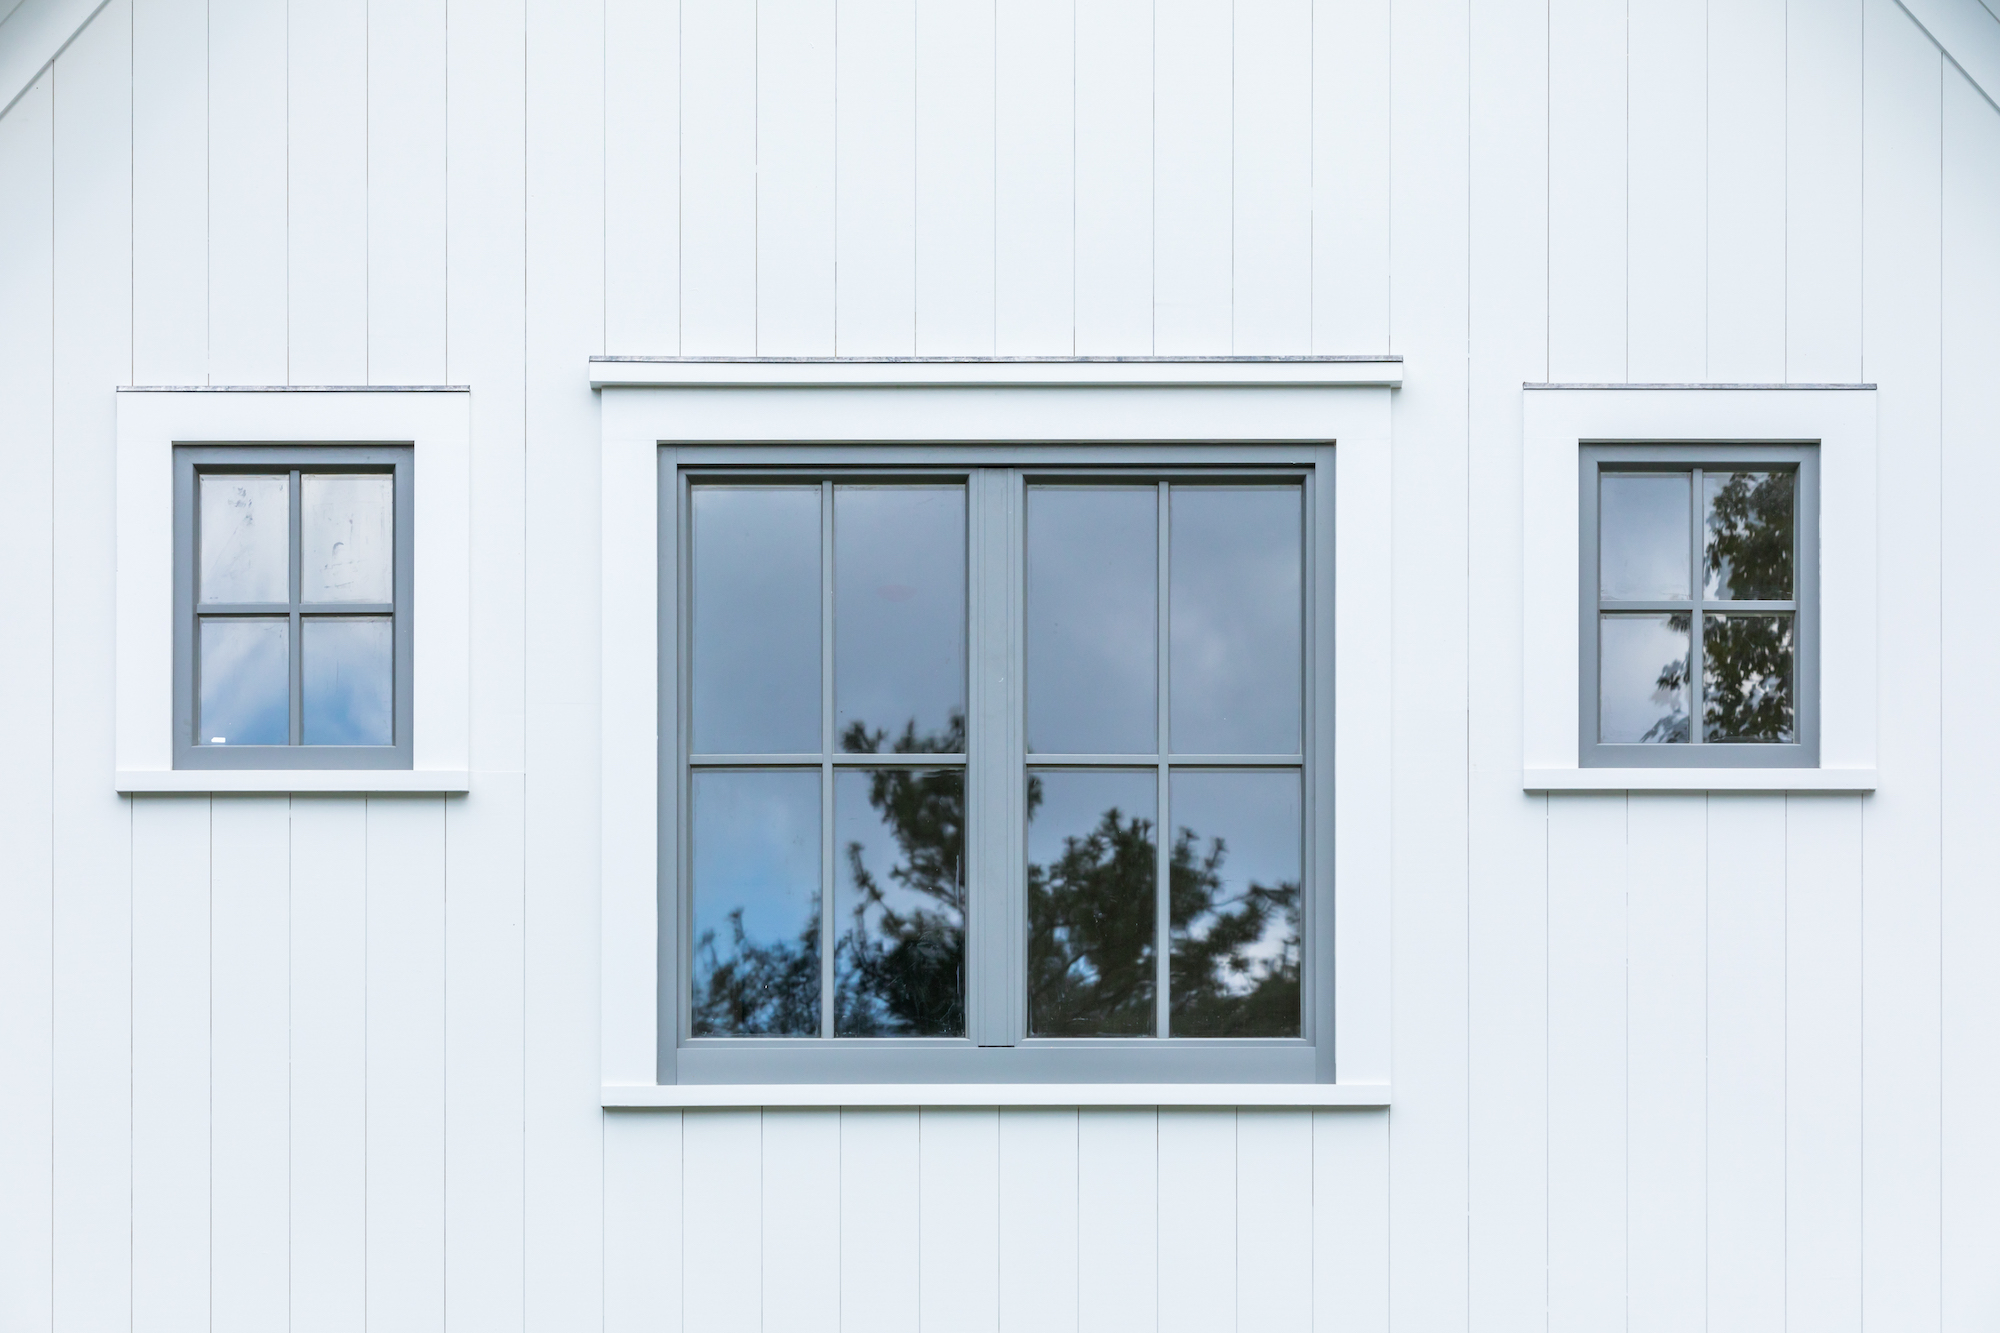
(1033, 760)
(1720, 608)
(840, 760)
(303, 608)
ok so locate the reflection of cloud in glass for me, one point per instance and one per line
(756, 902)
(1092, 915)
(1642, 679)
(1092, 595)
(246, 527)
(1642, 535)
(347, 537)
(756, 631)
(245, 682)
(1236, 909)
(899, 964)
(1236, 607)
(349, 684)
(899, 606)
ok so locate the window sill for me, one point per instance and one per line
(1699, 779)
(1303, 1096)
(368, 781)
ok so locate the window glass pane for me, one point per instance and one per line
(1235, 604)
(1642, 684)
(1642, 535)
(899, 618)
(349, 685)
(1092, 915)
(899, 903)
(756, 619)
(756, 903)
(1748, 536)
(1746, 679)
(1234, 884)
(347, 537)
(245, 670)
(1092, 606)
(246, 526)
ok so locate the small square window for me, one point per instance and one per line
(1700, 606)
(293, 598)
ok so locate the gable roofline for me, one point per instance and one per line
(32, 36)
(1969, 35)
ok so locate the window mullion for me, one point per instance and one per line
(994, 907)
(297, 630)
(1696, 588)
(826, 742)
(1162, 890)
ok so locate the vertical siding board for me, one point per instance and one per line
(91, 1223)
(406, 192)
(1587, 1062)
(642, 1222)
(1823, 1063)
(1350, 176)
(955, 177)
(958, 1271)
(1193, 164)
(1274, 1221)
(1118, 1202)
(721, 1233)
(1746, 1062)
(1038, 1241)
(1350, 1260)
(1272, 220)
(1971, 918)
(1034, 171)
(1667, 247)
(1588, 96)
(1666, 1074)
(170, 1064)
(329, 1070)
(1197, 1220)
(1823, 113)
(1114, 178)
(169, 191)
(484, 995)
(879, 1221)
(718, 190)
(27, 747)
(1746, 192)
(642, 174)
(801, 1236)
(247, 240)
(876, 205)
(328, 191)
(1901, 1059)
(796, 166)
(406, 1063)
(251, 1108)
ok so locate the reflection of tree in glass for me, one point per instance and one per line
(1669, 691)
(901, 972)
(1228, 981)
(760, 990)
(1747, 660)
(1090, 931)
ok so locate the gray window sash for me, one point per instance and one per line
(191, 460)
(1803, 458)
(996, 1047)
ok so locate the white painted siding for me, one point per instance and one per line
(1661, 1061)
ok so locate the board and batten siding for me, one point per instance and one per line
(1661, 1061)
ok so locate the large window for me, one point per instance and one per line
(1700, 591)
(292, 607)
(1085, 861)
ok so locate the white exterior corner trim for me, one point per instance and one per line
(1302, 1096)
(1557, 421)
(438, 427)
(636, 421)
(993, 372)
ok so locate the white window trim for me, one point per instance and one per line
(1557, 421)
(437, 424)
(1346, 403)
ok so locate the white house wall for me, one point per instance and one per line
(1660, 1061)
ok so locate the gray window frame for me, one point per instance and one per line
(191, 460)
(1803, 459)
(997, 1048)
